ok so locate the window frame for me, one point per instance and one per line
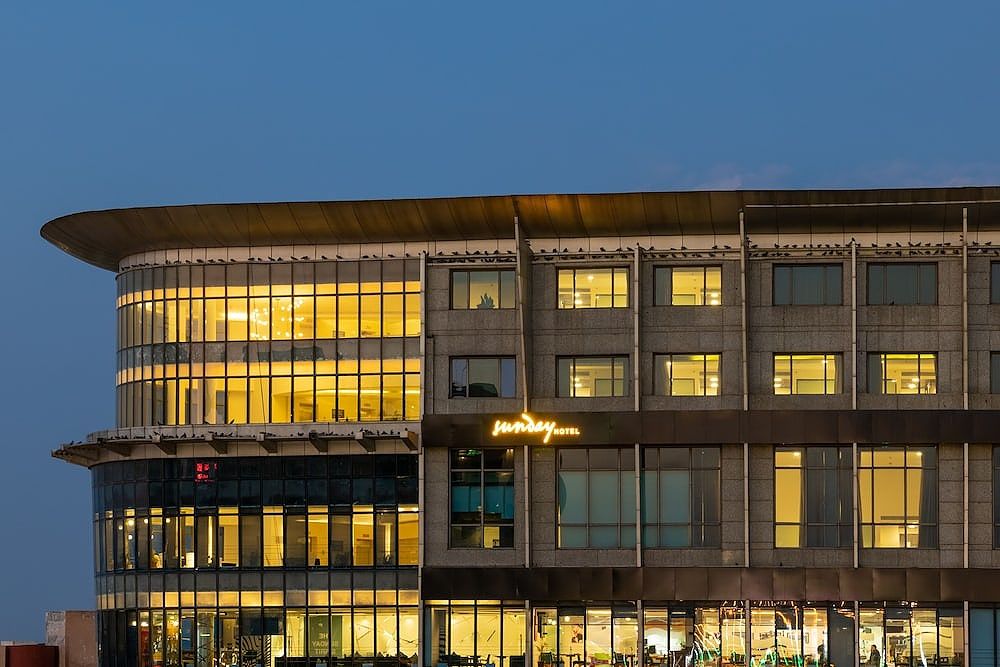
(837, 364)
(658, 358)
(664, 275)
(883, 296)
(499, 271)
(574, 359)
(879, 366)
(995, 372)
(614, 269)
(995, 454)
(906, 467)
(500, 359)
(588, 525)
(791, 268)
(846, 522)
(482, 470)
(702, 526)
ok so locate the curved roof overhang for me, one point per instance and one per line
(104, 238)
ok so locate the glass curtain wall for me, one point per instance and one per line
(269, 343)
(474, 633)
(911, 636)
(298, 512)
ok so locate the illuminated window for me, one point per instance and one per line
(687, 286)
(596, 501)
(806, 374)
(897, 493)
(808, 284)
(900, 283)
(474, 634)
(902, 373)
(813, 497)
(482, 498)
(680, 497)
(591, 376)
(482, 377)
(593, 288)
(936, 635)
(687, 374)
(482, 289)
(243, 343)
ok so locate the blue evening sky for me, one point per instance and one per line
(105, 105)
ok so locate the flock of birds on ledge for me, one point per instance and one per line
(779, 250)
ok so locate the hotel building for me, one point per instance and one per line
(612, 430)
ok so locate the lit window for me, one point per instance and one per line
(482, 377)
(591, 376)
(891, 373)
(805, 374)
(813, 497)
(897, 493)
(687, 286)
(900, 283)
(687, 374)
(482, 498)
(593, 288)
(808, 284)
(482, 289)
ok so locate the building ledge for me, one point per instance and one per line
(223, 439)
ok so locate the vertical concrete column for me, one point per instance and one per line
(522, 256)
(636, 308)
(965, 385)
(854, 405)
(746, 393)
(421, 524)
(965, 406)
(637, 402)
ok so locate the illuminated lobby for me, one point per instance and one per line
(669, 429)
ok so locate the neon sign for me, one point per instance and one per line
(530, 426)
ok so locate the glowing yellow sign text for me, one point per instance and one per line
(530, 426)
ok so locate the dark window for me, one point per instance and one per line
(813, 497)
(995, 372)
(994, 282)
(897, 493)
(996, 497)
(482, 289)
(596, 498)
(482, 498)
(482, 377)
(808, 285)
(680, 497)
(591, 376)
(901, 283)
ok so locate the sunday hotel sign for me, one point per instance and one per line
(528, 425)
